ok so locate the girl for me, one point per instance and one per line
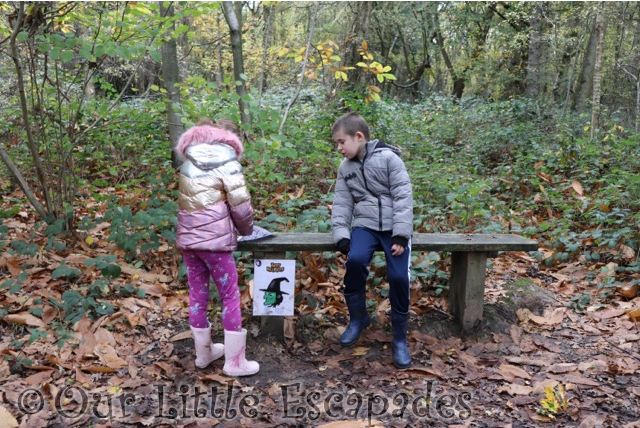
(215, 207)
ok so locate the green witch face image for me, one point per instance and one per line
(273, 294)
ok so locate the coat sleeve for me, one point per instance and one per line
(239, 201)
(342, 212)
(402, 198)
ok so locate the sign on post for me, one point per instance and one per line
(274, 287)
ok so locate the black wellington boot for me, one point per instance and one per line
(358, 317)
(401, 356)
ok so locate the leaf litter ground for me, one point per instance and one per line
(495, 376)
(534, 361)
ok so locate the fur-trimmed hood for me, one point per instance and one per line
(205, 134)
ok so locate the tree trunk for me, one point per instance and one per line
(304, 68)
(359, 33)
(638, 104)
(570, 62)
(265, 48)
(534, 61)
(597, 70)
(171, 77)
(89, 86)
(458, 82)
(585, 81)
(25, 113)
(24, 186)
(235, 30)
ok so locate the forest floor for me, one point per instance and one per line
(135, 368)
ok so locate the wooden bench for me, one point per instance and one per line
(468, 264)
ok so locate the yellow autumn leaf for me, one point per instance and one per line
(89, 240)
(360, 351)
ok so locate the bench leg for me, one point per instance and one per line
(466, 287)
(271, 325)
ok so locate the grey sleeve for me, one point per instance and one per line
(342, 212)
(402, 198)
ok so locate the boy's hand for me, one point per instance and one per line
(344, 245)
(397, 249)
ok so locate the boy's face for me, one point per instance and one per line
(350, 146)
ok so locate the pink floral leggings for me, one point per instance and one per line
(221, 267)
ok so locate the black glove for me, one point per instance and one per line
(400, 240)
(344, 245)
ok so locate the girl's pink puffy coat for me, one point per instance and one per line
(215, 205)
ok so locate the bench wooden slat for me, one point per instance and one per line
(421, 242)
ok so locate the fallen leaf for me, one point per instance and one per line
(510, 372)
(552, 318)
(97, 369)
(592, 421)
(6, 419)
(627, 252)
(633, 314)
(562, 368)
(146, 276)
(38, 379)
(14, 266)
(108, 356)
(516, 333)
(538, 418)
(153, 288)
(577, 187)
(426, 371)
(515, 389)
(220, 379)
(527, 361)
(610, 313)
(181, 336)
(580, 380)
(360, 351)
(629, 291)
(24, 318)
(538, 387)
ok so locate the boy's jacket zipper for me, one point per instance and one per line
(366, 186)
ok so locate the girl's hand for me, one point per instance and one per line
(397, 249)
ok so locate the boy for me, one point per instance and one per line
(373, 196)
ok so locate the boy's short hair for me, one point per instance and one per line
(351, 123)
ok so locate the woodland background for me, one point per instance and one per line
(512, 117)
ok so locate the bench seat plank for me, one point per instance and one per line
(291, 241)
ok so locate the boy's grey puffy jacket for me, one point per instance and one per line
(374, 193)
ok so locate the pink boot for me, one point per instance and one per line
(206, 352)
(235, 364)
